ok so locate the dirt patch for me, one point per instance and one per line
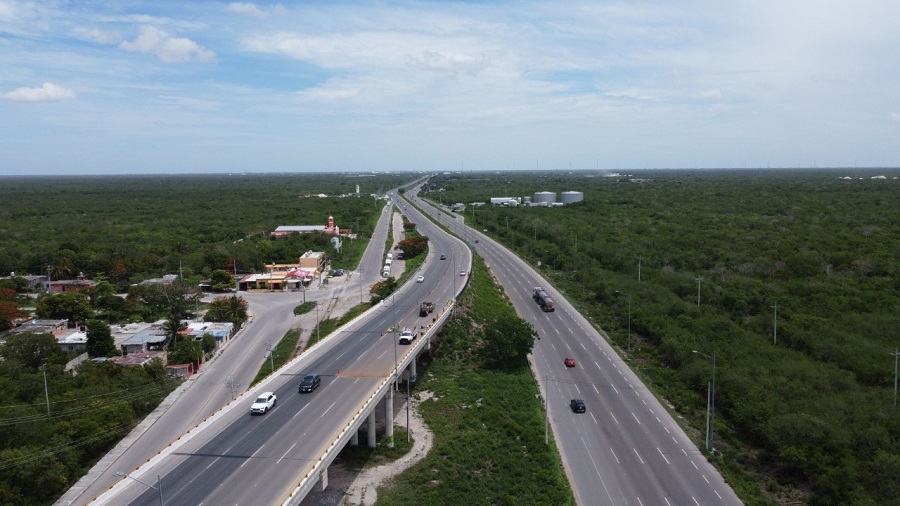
(351, 488)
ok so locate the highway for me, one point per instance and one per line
(626, 449)
(243, 459)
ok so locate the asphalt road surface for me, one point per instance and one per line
(243, 459)
(626, 449)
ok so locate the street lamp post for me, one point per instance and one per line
(629, 320)
(710, 404)
(158, 486)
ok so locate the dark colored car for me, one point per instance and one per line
(577, 406)
(310, 382)
(443, 257)
(337, 272)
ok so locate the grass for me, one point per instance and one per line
(488, 425)
(305, 307)
(329, 325)
(280, 355)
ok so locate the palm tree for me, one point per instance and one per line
(172, 326)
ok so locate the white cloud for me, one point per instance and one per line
(246, 8)
(710, 95)
(49, 92)
(97, 35)
(169, 49)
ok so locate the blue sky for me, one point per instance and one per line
(192, 87)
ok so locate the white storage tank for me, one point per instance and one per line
(544, 198)
(571, 197)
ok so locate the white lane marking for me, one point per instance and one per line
(595, 388)
(578, 389)
(598, 365)
(288, 451)
(675, 441)
(642, 400)
(615, 456)
(361, 355)
(663, 456)
(595, 419)
(613, 417)
(638, 455)
(658, 420)
(635, 418)
(667, 501)
(695, 465)
(704, 478)
(717, 493)
(251, 457)
(382, 353)
(684, 452)
(583, 442)
(667, 429)
(695, 501)
(554, 346)
(582, 346)
(614, 388)
(327, 410)
(639, 501)
(298, 412)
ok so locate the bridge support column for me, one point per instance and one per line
(389, 416)
(412, 369)
(354, 439)
(370, 436)
(323, 480)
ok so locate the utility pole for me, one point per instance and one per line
(317, 322)
(231, 384)
(775, 325)
(47, 392)
(699, 279)
(896, 356)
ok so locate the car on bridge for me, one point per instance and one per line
(577, 406)
(309, 383)
(406, 337)
(263, 403)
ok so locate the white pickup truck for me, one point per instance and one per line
(406, 337)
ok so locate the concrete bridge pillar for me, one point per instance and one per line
(389, 415)
(412, 369)
(354, 439)
(323, 480)
(370, 435)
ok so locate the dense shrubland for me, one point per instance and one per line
(807, 415)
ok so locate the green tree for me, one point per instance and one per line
(72, 306)
(100, 342)
(155, 369)
(186, 351)
(507, 342)
(222, 281)
(227, 309)
(172, 328)
(208, 343)
(32, 350)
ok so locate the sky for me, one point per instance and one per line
(139, 87)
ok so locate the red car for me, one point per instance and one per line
(569, 361)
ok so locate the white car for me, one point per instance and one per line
(420, 279)
(462, 273)
(263, 403)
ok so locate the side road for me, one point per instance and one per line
(208, 390)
